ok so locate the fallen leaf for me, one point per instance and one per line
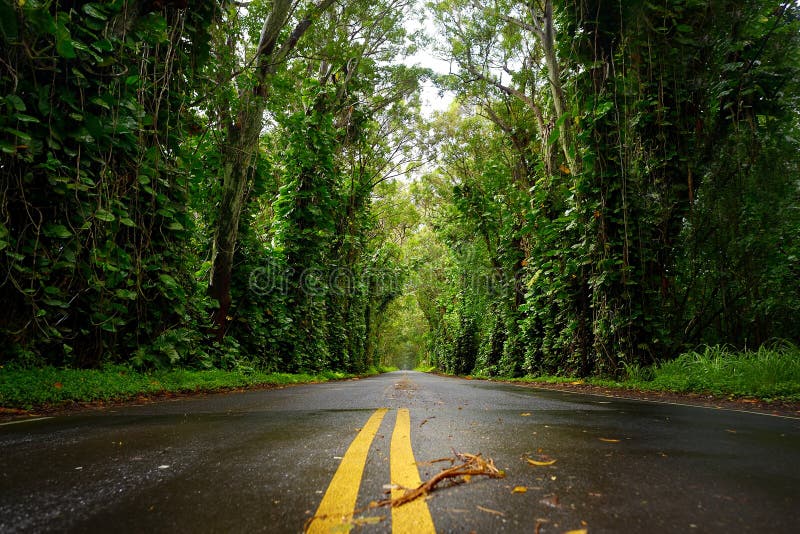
(551, 501)
(577, 531)
(526, 414)
(369, 520)
(609, 440)
(58, 385)
(539, 523)
(541, 463)
(489, 510)
(519, 489)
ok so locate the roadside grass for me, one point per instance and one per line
(771, 373)
(51, 387)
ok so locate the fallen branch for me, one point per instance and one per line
(472, 465)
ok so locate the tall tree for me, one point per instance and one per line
(242, 127)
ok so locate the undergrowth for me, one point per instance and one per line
(769, 373)
(50, 386)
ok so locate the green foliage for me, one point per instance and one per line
(52, 387)
(768, 373)
(669, 216)
(93, 206)
(627, 188)
(111, 190)
(771, 373)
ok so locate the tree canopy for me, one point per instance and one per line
(228, 185)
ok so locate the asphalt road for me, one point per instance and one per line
(262, 461)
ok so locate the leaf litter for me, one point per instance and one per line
(541, 463)
(471, 465)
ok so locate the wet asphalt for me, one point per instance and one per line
(260, 461)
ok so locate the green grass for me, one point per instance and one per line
(770, 373)
(36, 388)
(380, 369)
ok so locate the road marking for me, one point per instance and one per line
(339, 501)
(25, 421)
(413, 517)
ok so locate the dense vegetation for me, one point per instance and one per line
(195, 187)
(619, 184)
(220, 186)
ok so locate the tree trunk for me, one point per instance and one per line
(237, 155)
(240, 144)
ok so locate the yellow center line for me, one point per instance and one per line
(412, 517)
(339, 501)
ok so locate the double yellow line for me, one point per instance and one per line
(339, 502)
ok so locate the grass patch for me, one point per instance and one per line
(380, 369)
(425, 368)
(770, 374)
(32, 388)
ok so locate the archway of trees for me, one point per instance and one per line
(217, 184)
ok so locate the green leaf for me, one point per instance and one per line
(58, 231)
(15, 101)
(126, 294)
(168, 281)
(25, 118)
(104, 215)
(64, 45)
(103, 45)
(21, 135)
(94, 10)
(56, 303)
(100, 102)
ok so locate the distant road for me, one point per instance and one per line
(267, 461)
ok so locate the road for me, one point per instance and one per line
(262, 461)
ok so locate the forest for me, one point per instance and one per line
(257, 184)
